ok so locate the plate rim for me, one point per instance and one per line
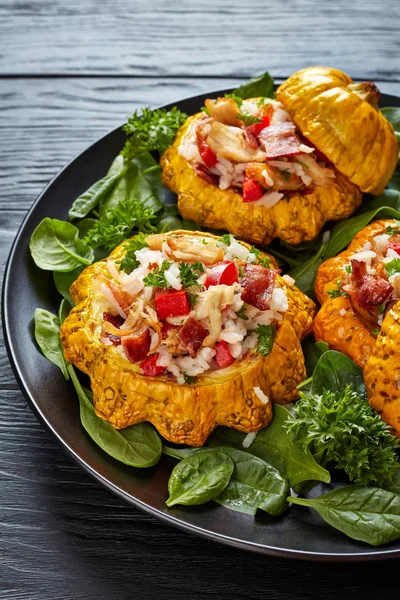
(264, 549)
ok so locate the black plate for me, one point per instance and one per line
(298, 534)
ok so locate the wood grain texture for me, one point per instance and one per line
(195, 38)
(63, 536)
(47, 122)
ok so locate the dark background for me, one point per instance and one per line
(69, 72)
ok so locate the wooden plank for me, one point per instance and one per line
(63, 536)
(149, 37)
(45, 123)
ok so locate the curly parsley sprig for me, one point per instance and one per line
(151, 130)
(349, 433)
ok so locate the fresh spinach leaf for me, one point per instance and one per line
(367, 514)
(199, 478)
(312, 352)
(392, 113)
(254, 485)
(334, 371)
(63, 281)
(136, 446)
(63, 310)
(141, 183)
(262, 85)
(87, 201)
(47, 335)
(55, 246)
(395, 485)
(305, 273)
(343, 232)
(277, 447)
(179, 453)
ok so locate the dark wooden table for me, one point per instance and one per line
(70, 71)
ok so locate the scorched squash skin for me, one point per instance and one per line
(350, 330)
(294, 221)
(183, 413)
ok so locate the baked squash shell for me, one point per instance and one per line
(183, 413)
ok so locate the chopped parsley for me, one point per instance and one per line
(241, 313)
(338, 292)
(266, 336)
(393, 230)
(129, 262)
(393, 266)
(157, 277)
(226, 239)
(248, 119)
(189, 380)
(302, 163)
(190, 274)
(381, 309)
(264, 261)
(348, 269)
(375, 332)
(237, 99)
(286, 174)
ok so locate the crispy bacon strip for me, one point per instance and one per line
(280, 140)
(258, 284)
(205, 174)
(370, 290)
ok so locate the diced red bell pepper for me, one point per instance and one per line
(114, 320)
(251, 191)
(136, 347)
(258, 284)
(171, 303)
(209, 157)
(223, 273)
(223, 356)
(150, 366)
(192, 335)
(257, 127)
(394, 246)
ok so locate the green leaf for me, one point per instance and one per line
(262, 85)
(305, 273)
(277, 447)
(137, 446)
(266, 335)
(55, 246)
(334, 371)
(367, 514)
(342, 233)
(141, 183)
(87, 201)
(47, 335)
(312, 352)
(395, 485)
(63, 310)
(63, 282)
(199, 478)
(393, 266)
(254, 485)
(392, 114)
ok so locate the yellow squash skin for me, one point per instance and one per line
(183, 413)
(295, 221)
(334, 114)
(351, 333)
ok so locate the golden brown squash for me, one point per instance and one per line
(184, 413)
(347, 327)
(294, 221)
(343, 121)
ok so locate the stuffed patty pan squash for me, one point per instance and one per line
(265, 169)
(169, 329)
(360, 315)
